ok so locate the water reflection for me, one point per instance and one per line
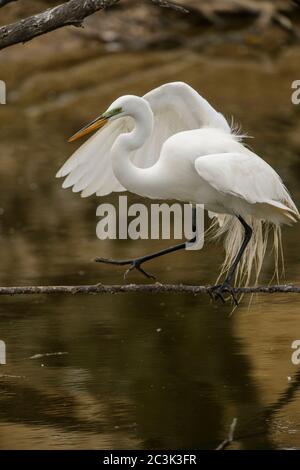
(140, 371)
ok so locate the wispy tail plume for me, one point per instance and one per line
(249, 268)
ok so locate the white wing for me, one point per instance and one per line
(176, 107)
(247, 178)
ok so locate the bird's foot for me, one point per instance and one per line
(217, 292)
(134, 264)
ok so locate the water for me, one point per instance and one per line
(136, 371)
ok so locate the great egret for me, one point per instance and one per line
(172, 144)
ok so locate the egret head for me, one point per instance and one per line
(121, 107)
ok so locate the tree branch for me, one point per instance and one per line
(69, 13)
(156, 288)
(72, 12)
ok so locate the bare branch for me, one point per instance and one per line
(72, 12)
(69, 13)
(171, 5)
(156, 288)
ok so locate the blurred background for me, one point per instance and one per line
(141, 371)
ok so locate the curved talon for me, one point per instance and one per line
(214, 295)
(219, 289)
(210, 294)
(219, 295)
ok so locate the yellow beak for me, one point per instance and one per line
(92, 126)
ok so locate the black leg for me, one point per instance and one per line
(136, 263)
(226, 286)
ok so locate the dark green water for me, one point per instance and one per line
(137, 371)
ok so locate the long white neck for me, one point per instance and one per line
(141, 181)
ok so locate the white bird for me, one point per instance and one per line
(172, 144)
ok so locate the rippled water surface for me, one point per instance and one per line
(136, 371)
